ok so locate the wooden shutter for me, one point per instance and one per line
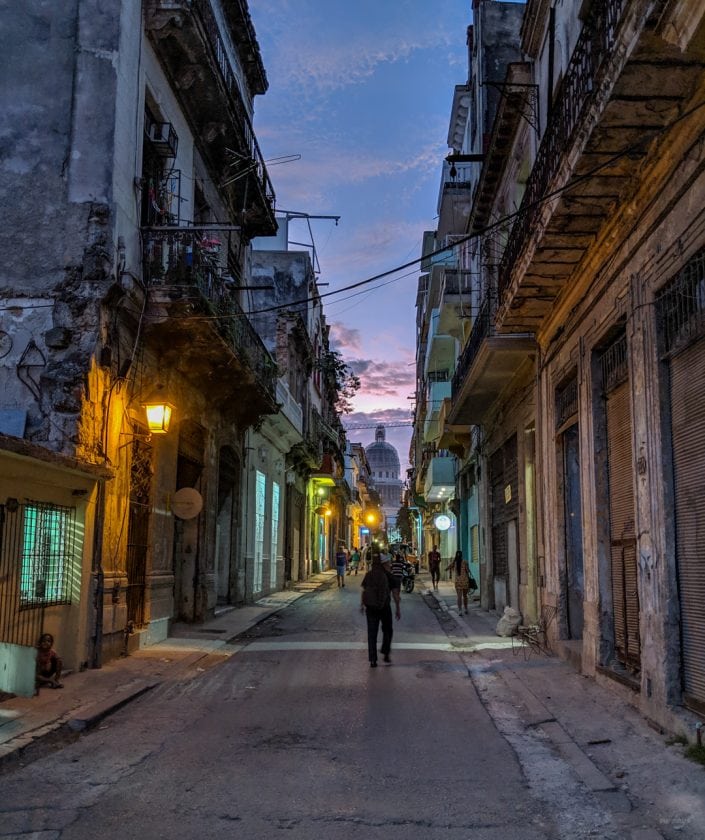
(625, 594)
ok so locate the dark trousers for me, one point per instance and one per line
(435, 574)
(376, 617)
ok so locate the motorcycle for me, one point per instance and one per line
(408, 578)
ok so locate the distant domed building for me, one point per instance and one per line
(385, 467)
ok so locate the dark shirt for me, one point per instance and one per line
(398, 568)
(434, 559)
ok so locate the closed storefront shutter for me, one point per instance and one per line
(688, 423)
(504, 475)
(625, 595)
(499, 541)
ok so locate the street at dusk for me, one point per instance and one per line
(295, 733)
(352, 419)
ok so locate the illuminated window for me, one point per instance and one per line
(275, 534)
(47, 554)
(260, 500)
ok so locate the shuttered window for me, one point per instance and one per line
(504, 474)
(688, 423)
(625, 595)
(681, 318)
(625, 592)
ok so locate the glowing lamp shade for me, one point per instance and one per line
(158, 410)
(442, 522)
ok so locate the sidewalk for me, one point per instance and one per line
(30, 724)
(560, 723)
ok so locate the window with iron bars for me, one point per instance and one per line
(566, 401)
(680, 306)
(47, 554)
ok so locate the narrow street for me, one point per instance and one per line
(296, 733)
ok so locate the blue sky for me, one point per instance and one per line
(362, 91)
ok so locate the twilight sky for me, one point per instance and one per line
(362, 91)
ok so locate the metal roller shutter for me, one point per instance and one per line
(625, 592)
(504, 478)
(688, 424)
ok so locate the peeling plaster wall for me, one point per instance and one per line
(291, 275)
(54, 205)
(644, 246)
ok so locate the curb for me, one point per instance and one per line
(89, 716)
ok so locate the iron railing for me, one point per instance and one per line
(482, 328)
(200, 13)
(566, 402)
(681, 306)
(615, 364)
(198, 258)
(210, 24)
(457, 282)
(577, 91)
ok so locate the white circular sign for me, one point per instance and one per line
(187, 503)
(442, 522)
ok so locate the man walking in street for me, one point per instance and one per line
(378, 589)
(341, 562)
(434, 566)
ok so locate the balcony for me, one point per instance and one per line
(289, 422)
(440, 348)
(437, 392)
(455, 303)
(195, 318)
(488, 363)
(624, 84)
(439, 484)
(455, 197)
(190, 46)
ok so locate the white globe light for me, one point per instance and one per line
(442, 522)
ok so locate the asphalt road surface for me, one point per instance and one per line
(295, 736)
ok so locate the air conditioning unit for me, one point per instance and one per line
(163, 138)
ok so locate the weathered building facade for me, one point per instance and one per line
(584, 372)
(133, 186)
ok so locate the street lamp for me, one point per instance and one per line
(158, 410)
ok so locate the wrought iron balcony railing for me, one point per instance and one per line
(577, 90)
(210, 24)
(482, 328)
(198, 29)
(196, 259)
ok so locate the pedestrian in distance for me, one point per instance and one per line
(49, 665)
(460, 569)
(397, 568)
(379, 587)
(354, 560)
(434, 566)
(341, 562)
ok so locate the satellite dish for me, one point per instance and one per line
(186, 503)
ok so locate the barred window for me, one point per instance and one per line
(47, 554)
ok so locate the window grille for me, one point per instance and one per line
(48, 540)
(680, 306)
(615, 369)
(566, 401)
